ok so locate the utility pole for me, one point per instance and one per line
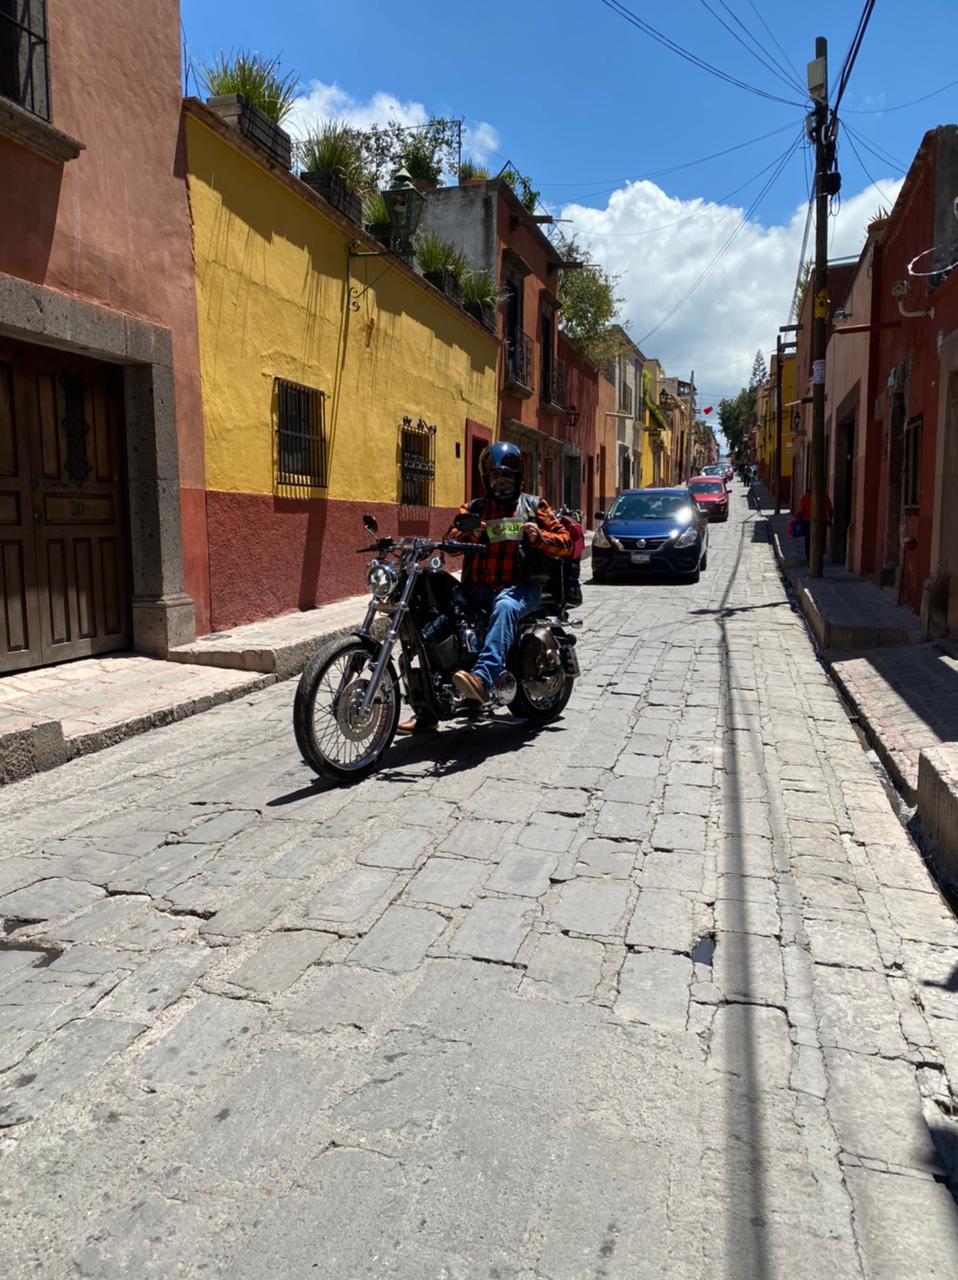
(818, 90)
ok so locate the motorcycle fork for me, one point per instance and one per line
(392, 635)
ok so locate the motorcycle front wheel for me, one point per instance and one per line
(333, 735)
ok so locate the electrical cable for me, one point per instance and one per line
(880, 111)
(783, 161)
(662, 173)
(711, 204)
(872, 149)
(792, 311)
(861, 164)
(852, 55)
(619, 8)
(759, 57)
(758, 14)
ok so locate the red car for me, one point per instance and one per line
(711, 495)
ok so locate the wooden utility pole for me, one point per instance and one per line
(818, 89)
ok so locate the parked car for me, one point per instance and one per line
(651, 531)
(729, 474)
(711, 495)
(716, 469)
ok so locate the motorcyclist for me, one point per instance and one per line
(513, 523)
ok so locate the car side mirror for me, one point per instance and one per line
(467, 522)
(370, 525)
(600, 515)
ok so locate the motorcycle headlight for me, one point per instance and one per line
(687, 539)
(381, 579)
(605, 542)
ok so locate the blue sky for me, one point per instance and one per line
(592, 109)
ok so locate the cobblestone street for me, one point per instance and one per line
(663, 991)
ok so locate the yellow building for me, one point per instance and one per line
(656, 428)
(332, 384)
(766, 425)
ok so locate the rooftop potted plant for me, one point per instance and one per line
(481, 296)
(470, 173)
(248, 91)
(332, 164)
(442, 264)
(422, 161)
(376, 218)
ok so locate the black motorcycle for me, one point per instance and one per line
(347, 702)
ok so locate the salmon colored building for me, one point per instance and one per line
(333, 384)
(577, 428)
(102, 502)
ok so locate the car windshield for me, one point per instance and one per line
(714, 471)
(707, 486)
(649, 506)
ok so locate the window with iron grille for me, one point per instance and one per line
(300, 435)
(911, 475)
(417, 463)
(24, 73)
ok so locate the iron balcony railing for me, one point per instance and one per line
(553, 388)
(519, 360)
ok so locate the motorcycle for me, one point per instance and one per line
(348, 698)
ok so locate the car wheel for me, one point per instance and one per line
(694, 575)
(704, 562)
(598, 578)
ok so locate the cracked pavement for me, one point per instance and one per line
(662, 991)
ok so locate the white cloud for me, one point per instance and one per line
(660, 245)
(330, 102)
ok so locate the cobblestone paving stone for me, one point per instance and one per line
(663, 990)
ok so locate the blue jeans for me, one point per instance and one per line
(509, 606)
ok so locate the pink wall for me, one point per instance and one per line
(113, 225)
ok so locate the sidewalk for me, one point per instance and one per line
(53, 714)
(902, 687)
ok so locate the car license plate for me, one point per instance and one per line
(641, 557)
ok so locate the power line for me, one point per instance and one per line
(880, 111)
(783, 161)
(758, 15)
(675, 168)
(861, 162)
(792, 311)
(698, 213)
(874, 150)
(853, 51)
(619, 8)
(759, 57)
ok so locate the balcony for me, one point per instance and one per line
(552, 390)
(519, 365)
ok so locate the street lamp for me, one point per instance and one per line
(405, 204)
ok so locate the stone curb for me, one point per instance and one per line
(937, 799)
(35, 748)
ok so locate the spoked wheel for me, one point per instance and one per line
(333, 734)
(541, 699)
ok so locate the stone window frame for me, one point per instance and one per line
(30, 126)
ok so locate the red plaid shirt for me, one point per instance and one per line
(501, 564)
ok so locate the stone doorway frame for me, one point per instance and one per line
(162, 613)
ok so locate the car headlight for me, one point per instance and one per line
(688, 538)
(381, 579)
(605, 542)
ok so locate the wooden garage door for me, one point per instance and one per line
(63, 558)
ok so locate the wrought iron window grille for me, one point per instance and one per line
(417, 463)
(519, 359)
(301, 446)
(24, 56)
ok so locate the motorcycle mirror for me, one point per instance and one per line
(370, 525)
(600, 515)
(467, 522)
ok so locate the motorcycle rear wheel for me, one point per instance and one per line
(332, 735)
(530, 704)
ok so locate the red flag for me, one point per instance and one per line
(707, 409)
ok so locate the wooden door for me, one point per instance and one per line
(71, 598)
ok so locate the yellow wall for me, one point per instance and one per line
(765, 412)
(271, 286)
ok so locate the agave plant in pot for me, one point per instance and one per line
(376, 218)
(481, 296)
(442, 264)
(332, 164)
(248, 91)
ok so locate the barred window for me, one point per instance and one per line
(300, 435)
(24, 73)
(417, 463)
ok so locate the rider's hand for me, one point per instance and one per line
(531, 531)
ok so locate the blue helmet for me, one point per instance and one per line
(501, 456)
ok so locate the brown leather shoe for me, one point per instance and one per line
(415, 724)
(470, 686)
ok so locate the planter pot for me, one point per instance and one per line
(445, 281)
(332, 188)
(254, 125)
(382, 231)
(482, 312)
